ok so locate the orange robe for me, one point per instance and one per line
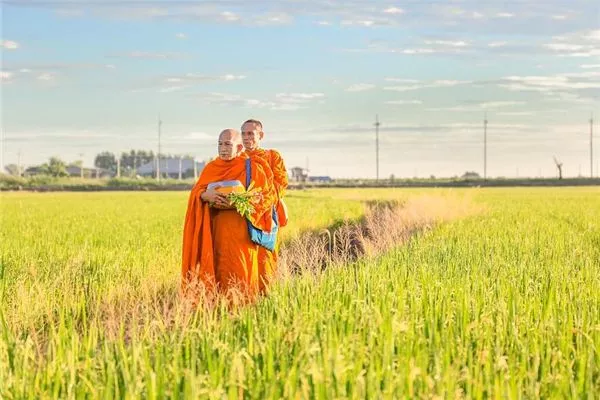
(267, 264)
(217, 251)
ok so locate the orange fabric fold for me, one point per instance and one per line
(267, 260)
(217, 251)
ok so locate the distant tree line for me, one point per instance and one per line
(129, 162)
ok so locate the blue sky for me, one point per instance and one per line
(80, 77)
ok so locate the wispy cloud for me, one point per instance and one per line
(360, 87)
(9, 44)
(181, 36)
(417, 85)
(278, 102)
(478, 106)
(579, 44)
(175, 83)
(393, 10)
(149, 55)
(403, 102)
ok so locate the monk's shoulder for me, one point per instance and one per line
(276, 160)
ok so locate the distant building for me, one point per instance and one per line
(169, 166)
(299, 174)
(74, 171)
(471, 175)
(320, 179)
(33, 171)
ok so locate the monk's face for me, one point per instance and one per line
(230, 145)
(252, 134)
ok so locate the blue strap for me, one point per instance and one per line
(248, 173)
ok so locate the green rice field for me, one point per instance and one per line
(503, 302)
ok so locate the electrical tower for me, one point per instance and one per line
(485, 122)
(377, 124)
(158, 155)
(592, 147)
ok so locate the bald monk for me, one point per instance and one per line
(217, 251)
(252, 134)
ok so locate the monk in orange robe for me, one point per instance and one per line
(252, 134)
(218, 254)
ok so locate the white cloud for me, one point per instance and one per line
(170, 89)
(274, 19)
(181, 35)
(497, 44)
(589, 66)
(593, 35)
(478, 107)
(365, 23)
(559, 17)
(418, 51)
(393, 10)
(496, 104)
(578, 44)
(5, 76)
(505, 15)
(110, 66)
(402, 80)
(324, 23)
(280, 102)
(9, 44)
(230, 77)
(515, 113)
(425, 84)
(46, 76)
(151, 55)
(360, 87)
(299, 96)
(229, 16)
(450, 43)
(404, 102)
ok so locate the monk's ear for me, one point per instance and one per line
(240, 148)
(261, 135)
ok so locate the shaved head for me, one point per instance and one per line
(230, 144)
(231, 134)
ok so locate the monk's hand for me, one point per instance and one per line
(213, 197)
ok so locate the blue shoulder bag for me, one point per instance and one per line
(265, 239)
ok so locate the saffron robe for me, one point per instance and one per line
(267, 260)
(217, 250)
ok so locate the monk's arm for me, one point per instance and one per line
(210, 195)
(280, 176)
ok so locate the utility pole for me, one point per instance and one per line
(158, 155)
(19, 163)
(119, 166)
(485, 122)
(180, 160)
(195, 168)
(592, 147)
(81, 165)
(377, 146)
